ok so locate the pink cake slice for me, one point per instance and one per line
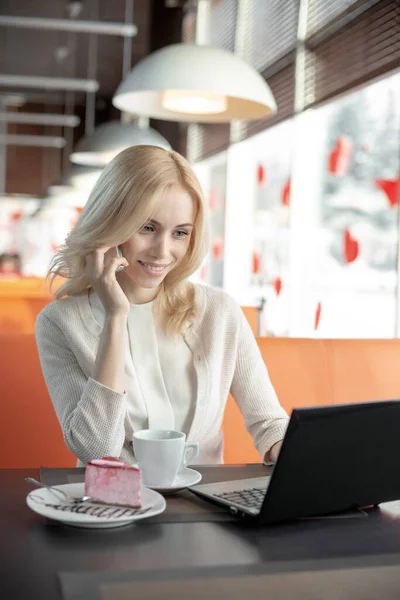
(113, 482)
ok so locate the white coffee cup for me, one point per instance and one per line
(161, 454)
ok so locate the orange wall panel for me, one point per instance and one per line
(314, 372)
(30, 435)
(304, 372)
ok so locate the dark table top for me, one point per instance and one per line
(33, 550)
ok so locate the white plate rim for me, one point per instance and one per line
(197, 477)
(77, 489)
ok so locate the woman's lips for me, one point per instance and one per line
(153, 269)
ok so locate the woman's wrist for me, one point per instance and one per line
(273, 453)
(109, 368)
(114, 327)
(116, 320)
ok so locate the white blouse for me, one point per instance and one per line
(95, 420)
(164, 369)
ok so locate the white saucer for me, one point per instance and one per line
(186, 478)
(42, 501)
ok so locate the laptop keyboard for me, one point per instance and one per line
(252, 497)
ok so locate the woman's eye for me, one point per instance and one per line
(181, 233)
(147, 228)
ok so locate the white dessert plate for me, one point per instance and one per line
(44, 503)
(186, 478)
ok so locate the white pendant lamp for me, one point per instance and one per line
(187, 82)
(109, 139)
(83, 178)
(69, 200)
(59, 189)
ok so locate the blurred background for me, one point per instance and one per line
(304, 203)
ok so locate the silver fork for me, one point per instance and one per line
(56, 491)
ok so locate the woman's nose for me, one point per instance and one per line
(161, 247)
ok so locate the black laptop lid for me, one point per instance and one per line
(335, 458)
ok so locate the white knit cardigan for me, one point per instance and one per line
(95, 420)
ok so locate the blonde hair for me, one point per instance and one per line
(121, 202)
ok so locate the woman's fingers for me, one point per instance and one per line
(100, 266)
(99, 260)
(95, 262)
(101, 270)
(114, 266)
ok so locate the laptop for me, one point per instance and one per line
(333, 459)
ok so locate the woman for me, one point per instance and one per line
(10, 266)
(129, 342)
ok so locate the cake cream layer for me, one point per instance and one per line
(113, 482)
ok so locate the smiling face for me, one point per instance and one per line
(159, 246)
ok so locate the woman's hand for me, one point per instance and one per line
(101, 268)
(272, 455)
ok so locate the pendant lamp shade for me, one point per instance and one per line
(83, 178)
(69, 199)
(74, 187)
(109, 139)
(186, 82)
(59, 189)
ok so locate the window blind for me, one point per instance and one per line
(366, 46)
(189, 27)
(321, 13)
(222, 24)
(269, 45)
(282, 87)
(221, 32)
(270, 31)
(348, 43)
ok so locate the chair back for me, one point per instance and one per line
(251, 314)
(30, 435)
(304, 372)
(314, 372)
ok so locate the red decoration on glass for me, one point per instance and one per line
(213, 199)
(74, 220)
(317, 316)
(261, 175)
(16, 216)
(285, 197)
(256, 263)
(217, 247)
(277, 285)
(391, 189)
(339, 157)
(351, 247)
